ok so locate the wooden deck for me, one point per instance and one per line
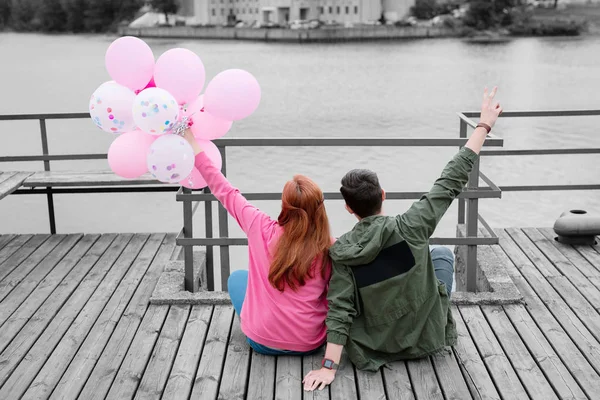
(75, 322)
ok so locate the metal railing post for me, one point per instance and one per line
(224, 230)
(461, 202)
(191, 282)
(49, 195)
(208, 231)
(472, 228)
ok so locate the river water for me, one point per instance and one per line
(401, 89)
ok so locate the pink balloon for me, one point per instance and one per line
(195, 180)
(205, 126)
(181, 73)
(127, 154)
(208, 127)
(232, 95)
(130, 62)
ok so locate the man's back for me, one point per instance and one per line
(401, 310)
(385, 301)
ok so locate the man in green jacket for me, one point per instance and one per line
(389, 293)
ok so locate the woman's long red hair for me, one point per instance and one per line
(306, 235)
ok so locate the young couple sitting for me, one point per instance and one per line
(379, 290)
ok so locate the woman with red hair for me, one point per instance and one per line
(282, 297)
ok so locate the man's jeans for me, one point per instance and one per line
(443, 264)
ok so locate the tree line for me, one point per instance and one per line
(73, 15)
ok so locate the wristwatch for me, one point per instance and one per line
(329, 364)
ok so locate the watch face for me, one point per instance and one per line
(328, 364)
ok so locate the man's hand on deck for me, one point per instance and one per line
(319, 378)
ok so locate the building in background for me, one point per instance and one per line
(219, 12)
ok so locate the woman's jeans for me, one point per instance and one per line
(443, 264)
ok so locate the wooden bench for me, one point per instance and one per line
(93, 178)
(60, 182)
(11, 181)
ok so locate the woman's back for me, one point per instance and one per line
(288, 319)
(292, 250)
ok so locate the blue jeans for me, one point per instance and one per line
(443, 265)
(237, 285)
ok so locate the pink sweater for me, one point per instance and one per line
(288, 320)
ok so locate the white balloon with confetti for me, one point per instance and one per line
(111, 108)
(155, 111)
(170, 158)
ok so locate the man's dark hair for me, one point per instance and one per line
(362, 192)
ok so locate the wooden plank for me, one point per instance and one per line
(523, 363)
(579, 261)
(397, 381)
(478, 379)
(580, 306)
(261, 384)
(158, 370)
(288, 383)
(53, 327)
(309, 363)
(179, 385)
(574, 300)
(112, 356)
(92, 324)
(237, 365)
(580, 282)
(206, 382)
(18, 286)
(536, 256)
(47, 323)
(588, 252)
(424, 381)
(505, 378)
(10, 248)
(91, 178)
(11, 182)
(370, 385)
(450, 377)
(45, 277)
(26, 250)
(47, 298)
(5, 239)
(5, 176)
(12, 279)
(562, 328)
(133, 366)
(550, 363)
(344, 385)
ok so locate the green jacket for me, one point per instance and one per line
(385, 302)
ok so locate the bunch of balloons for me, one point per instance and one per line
(147, 102)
